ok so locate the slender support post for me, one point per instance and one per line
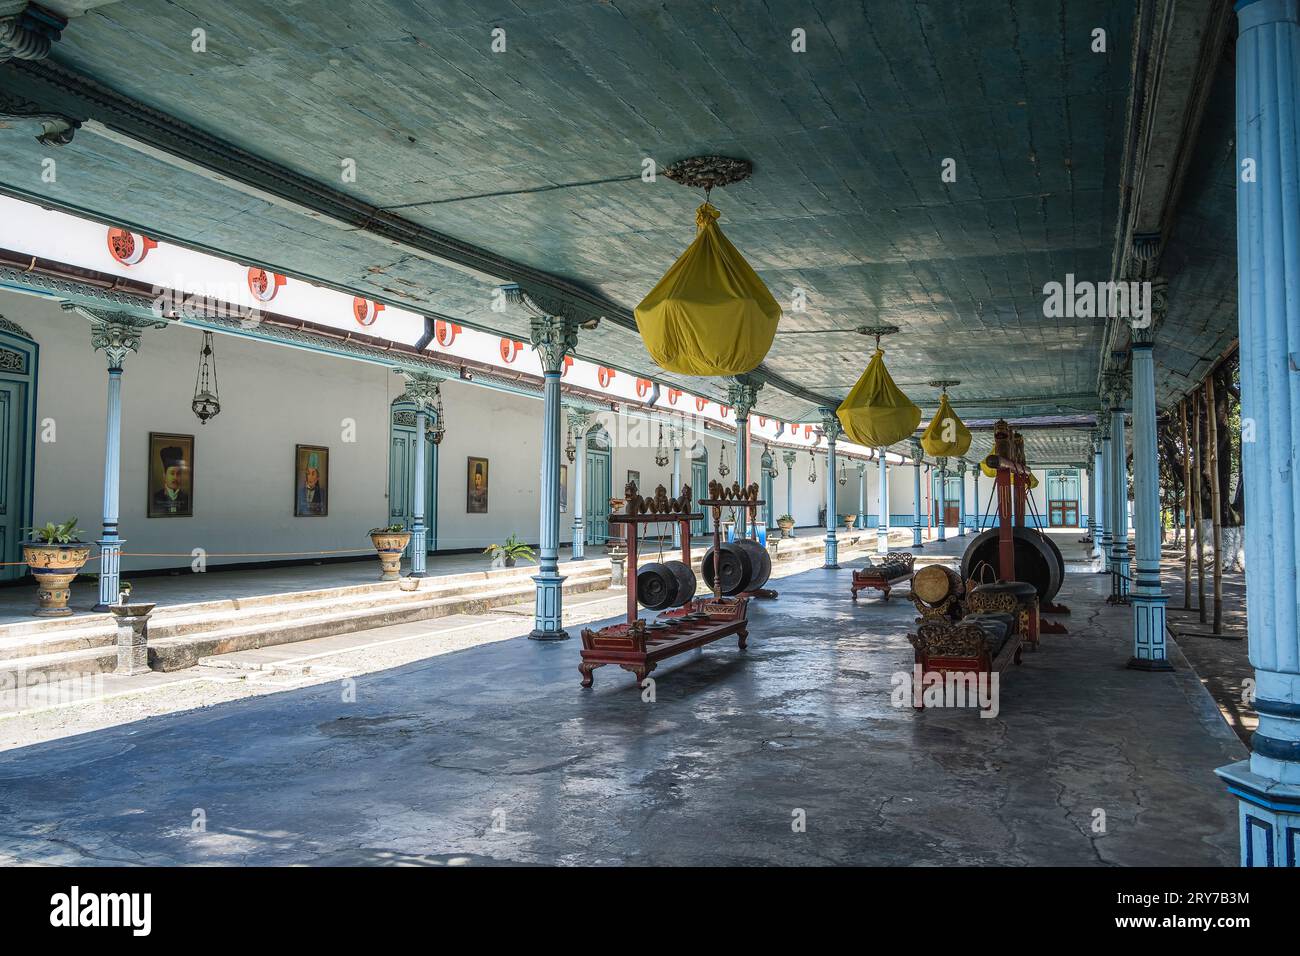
(421, 388)
(115, 339)
(1095, 482)
(1198, 472)
(978, 517)
(1216, 503)
(579, 422)
(862, 494)
(882, 524)
(1187, 508)
(1147, 595)
(742, 395)
(553, 337)
(961, 519)
(677, 490)
(942, 500)
(833, 429)
(916, 495)
(1268, 310)
(1119, 559)
(788, 457)
(1104, 492)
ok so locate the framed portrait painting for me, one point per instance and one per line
(171, 476)
(476, 486)
(311, 481)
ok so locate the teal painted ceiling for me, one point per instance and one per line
(535, 155)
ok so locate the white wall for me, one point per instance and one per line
(272, 398)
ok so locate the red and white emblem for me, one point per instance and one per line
(510, 350)
(264, 285)
(129, 248)
(604, 376)
(365, 311)
(445, 332)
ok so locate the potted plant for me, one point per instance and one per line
(848, 521)
(55, 556)
(786, 524)
(505, 555)
(390, 543)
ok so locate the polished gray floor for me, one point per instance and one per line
(495, 755)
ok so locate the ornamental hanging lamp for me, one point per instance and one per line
(570, 446)
(812, 466)
(661, 452)
(439, 417)
(723, 468)
(767, 462)
(206, 404)
(876, 413)
(843, 477)
(710, 314)
(946, 436)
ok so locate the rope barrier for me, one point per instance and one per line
(212, 554)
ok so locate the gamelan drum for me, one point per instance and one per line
(1038, 560)
(670, 584)
(933, 584)
(734, 568)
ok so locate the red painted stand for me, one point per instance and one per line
(638, 646)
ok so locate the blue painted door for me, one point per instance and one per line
(1062, 498)
(597, 493)
(18, 359)
(699, 489)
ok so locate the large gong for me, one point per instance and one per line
(735, 570)
(1038, 560)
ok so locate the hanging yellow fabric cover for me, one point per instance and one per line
(710, 314)
(944, 421)
(993, 473)
(876, 413)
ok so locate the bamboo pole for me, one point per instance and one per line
(1187, 509)
(1216, 510)
(1197, 476)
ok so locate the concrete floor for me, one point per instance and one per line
(494, 754)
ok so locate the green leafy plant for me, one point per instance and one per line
(513, 549)
(398, 528)
(51, 533)
(785, 518)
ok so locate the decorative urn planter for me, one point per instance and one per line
(848, 521)
(786, 525)
(54, 566)
(390, 545)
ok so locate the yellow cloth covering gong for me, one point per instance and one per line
(710, 314)
(876, 413)
(993, 472)
(932, 440)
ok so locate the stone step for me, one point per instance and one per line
(21, 672)
(70, 637)
(175, 653)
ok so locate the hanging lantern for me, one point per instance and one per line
(661, 453)
(439, 417)
(723, 468)
(206, 405)
(946, 434)
(710, 314)
(876, 413)
(767, 462)
(570, 446)
(812, 466)
(843, 477)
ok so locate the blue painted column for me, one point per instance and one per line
(916, 495)
(862, 494)
(1147, 595)
(788, 457)
(1119, 559)
(941, 498)
(961, 520)
(975, 518)
(1268, 309)
(1094, 489)
(832, 428)
(553, 337)
(1104, 490)
(742, 395)
(677, 482)
(579, 422)
(882, 524)
(420, 388)
(116, 339)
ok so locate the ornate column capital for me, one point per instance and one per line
(553, 337)
(961, 466)
(1146, 251)
(421, 388)
(831, 426)
(862, 468)
(116, 340)
(789, 458)
(742, 395)
(918, 453)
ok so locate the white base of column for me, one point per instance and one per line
(1268, 817)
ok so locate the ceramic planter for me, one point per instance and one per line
(848, 521)
(390, 545)
(787, 526)
(54, 566)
